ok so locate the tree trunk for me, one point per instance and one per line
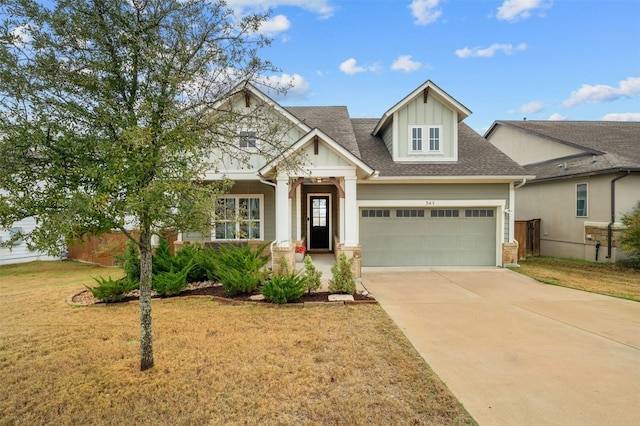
(146, 338)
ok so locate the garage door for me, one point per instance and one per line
(428, 237)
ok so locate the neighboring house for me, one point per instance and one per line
(19, 252)
(416, 187)
(587, 175)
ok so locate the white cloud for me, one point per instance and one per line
(22, 35)
(425, 12)
(490, 51)
(323, 8)
(603, 93)
(557, 117)
(406, 64)
(295, 85)
(622, 116)
(514, 10)
(531, 107)
(349, 67)
(275, 25)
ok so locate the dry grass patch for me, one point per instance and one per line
(602, 278)
(215, 364)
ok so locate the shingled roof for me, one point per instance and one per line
(332, 120)
(608, 146)
(476, 156)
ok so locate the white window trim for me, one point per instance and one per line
(586, 201)
(237, 197)
(425, 140)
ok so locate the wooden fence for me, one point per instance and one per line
(104, 249)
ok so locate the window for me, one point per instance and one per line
(434, 139)
(410, 213)
(238, 218)
(416, 139)
(581, 200)
(16, 231)
(247, 139)
(445, 213)
(375, 213)
(417, 143)
(478, 213)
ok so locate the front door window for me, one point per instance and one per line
(319, 222)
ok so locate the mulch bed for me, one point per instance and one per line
(215, 290)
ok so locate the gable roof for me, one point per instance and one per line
(476, 157)
(428, 88)
(306, 139)
(245, 87)
(608, 146)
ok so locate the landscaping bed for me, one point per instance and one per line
(217, 291)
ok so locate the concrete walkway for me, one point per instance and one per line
(518, 352)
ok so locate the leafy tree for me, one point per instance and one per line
(630, 237)
(108, 111)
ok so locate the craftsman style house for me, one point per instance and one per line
(587, 175)
(414, 188)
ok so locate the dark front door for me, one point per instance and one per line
(319, 222)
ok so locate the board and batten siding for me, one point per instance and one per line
(419, 113)
(448, 192)
(248, 187)
(326, 157)
(290, 134)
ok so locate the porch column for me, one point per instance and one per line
(283, 211)
(351, 224)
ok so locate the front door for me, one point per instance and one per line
(319, 222)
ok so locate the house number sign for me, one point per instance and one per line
(430, 203)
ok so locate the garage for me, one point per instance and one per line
(428, 237)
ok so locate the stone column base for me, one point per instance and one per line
(286, 253)
(510, 254)
(349, 252)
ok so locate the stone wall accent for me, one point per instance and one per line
(593, 233)
(284, 252)
(510, 253)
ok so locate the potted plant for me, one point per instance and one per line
(300, 250)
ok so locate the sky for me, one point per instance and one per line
(503, 60)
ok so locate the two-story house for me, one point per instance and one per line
(414, 188)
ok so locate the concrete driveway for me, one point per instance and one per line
(518, 352)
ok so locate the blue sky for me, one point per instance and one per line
(507, 59)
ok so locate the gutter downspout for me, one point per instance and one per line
(613, 211)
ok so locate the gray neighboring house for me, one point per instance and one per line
(587, 175)
(414, 188)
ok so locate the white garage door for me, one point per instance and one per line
(428, 237)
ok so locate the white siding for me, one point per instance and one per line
(19, 253)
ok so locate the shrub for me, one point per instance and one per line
(630, 237)
(162, 259)
(342, 281)
(191, 253)
(284, 288)
(110, 291)
(131, 261)
(171, 283)
(239, 268)
(313, 277)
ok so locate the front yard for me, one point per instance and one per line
(215, 363)
(602, 278)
